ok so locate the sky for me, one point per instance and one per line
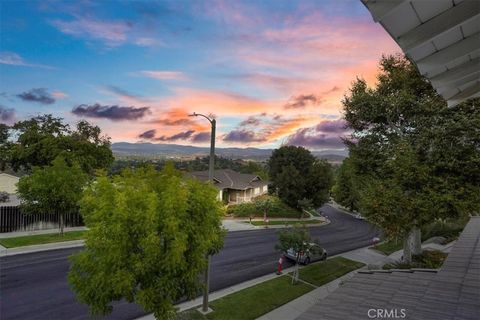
(270, 72)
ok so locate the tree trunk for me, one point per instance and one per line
(407, 250)
(295, 271)
(62, 223)
(416, 238)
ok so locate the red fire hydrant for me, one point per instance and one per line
(280, 265)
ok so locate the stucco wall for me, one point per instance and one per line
(8, 183)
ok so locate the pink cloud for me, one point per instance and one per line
(114, 33)
(11, 58)
(59, 94)
(164, 75)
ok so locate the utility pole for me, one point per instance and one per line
(211, 168)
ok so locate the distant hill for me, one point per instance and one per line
(149, 150)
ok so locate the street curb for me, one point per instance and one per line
(327, 222)
(41, 247)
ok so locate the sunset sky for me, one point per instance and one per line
(271, 72)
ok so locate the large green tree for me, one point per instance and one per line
(41, 139)
(53, 189)
(345, 190)
(296, 174)
(5, 146)
(148, 235)
(408, 154)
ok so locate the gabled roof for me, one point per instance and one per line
(451, 293)
(229, 179)
(442, 37)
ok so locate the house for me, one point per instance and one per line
(452, 292)
(8, 183)
(235, 187)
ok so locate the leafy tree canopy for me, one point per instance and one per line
(413, 158)
(53, 189)
(345, 189)
(148, 235)
(296, 174)
(41, 139)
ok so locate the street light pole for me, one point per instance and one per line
(211, 167)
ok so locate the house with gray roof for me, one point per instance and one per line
(234, 187)
(450, 293)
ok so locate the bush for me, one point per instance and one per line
(429, 259)
(250, 209)
(4, 197)
(449, 230)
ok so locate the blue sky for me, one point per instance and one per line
(271, 72)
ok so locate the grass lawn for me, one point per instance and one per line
(388, 247)
(251, 303)
(41, 239)
(329, 270)
(285, 222)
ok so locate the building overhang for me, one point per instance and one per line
(441, 37)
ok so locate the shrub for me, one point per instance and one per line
(4, 197)
(250, 209)
(449, 230)
(429, 259)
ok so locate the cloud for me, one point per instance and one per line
(39, 95)
(114, 113)
(244, 136)
(164, 75)
(179, 136)
(148, 42)
(332, 126)
(113, 33)
(309, 138)
(302, 101)
(148, 135)
(250, 121)
(11, 58)
(201, 137)
(7, 115)
(59, 95)
(325, 135)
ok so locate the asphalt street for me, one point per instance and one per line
(34, 286)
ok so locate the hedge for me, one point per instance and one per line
(249, 209)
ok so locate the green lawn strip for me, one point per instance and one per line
(252, 302)
(329, 270)
(284, 222)
(41, 239)
(388, 247)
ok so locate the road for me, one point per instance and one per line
(34, 286)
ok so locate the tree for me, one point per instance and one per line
(296, 174)
(405, 152)
(264, 204)
(296, 238)
(4, 146)
(53, 189)
(42, 139)
(345, 190)
(148, 235)
(304, 205)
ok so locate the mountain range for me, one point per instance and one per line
(146, 149)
